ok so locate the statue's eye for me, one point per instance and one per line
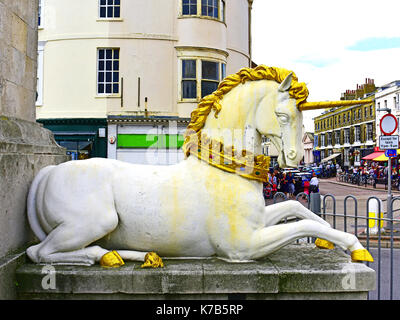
(283, 118)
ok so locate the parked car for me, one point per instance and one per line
(304, 175)
(291, 170)
(317, 170)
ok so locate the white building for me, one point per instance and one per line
(387, 97)
(111, 72)
(308, 142)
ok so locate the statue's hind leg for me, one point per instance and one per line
(68, 242)
(272, 238)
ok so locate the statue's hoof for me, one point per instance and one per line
(152, 260)
(324, 244)
(361, 255)
(111, 260)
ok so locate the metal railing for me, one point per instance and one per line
(375, 228)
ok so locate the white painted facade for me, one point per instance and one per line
(150, 40)
(387, 97)
(308, 143)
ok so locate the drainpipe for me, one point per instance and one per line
(249, 30)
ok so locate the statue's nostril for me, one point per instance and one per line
(292, 154)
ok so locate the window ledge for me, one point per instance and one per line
(107, 96)
(189, 100)
(109, 19)
(194, 16)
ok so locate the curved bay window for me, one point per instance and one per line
(214, 9)
(189, 79)
(189, 7)
(209, 77)
(200, 77)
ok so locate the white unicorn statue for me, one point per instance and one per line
(209, 204)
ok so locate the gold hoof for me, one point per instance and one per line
(152, 260)
(361, 255)
(111, 260)
(324, 244)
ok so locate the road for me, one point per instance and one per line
(384, 274)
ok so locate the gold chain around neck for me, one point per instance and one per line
(213, 152)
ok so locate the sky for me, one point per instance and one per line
(330, 45)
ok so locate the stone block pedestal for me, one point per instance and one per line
(299, 271)
(25, 148)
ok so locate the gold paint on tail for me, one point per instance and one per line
(152, 260)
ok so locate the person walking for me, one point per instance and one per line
(284, 185)
(314, 183)
(290, 184)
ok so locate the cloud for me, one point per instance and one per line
(331, 46)
(318, 62)
(370, 44)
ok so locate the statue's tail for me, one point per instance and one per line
(31, 204)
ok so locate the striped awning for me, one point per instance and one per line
(374, 155)
(384, 158)
(378, 156)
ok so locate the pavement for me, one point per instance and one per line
(379, 187)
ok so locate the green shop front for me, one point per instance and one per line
(152, 140)
(83, 138)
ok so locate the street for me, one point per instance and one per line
(385, 255)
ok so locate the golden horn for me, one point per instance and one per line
(330, 104)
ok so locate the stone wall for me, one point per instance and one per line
(25, 146)
(18, 55)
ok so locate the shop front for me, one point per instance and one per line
(146, 140)
(83, 138)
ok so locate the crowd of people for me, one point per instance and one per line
(376, 171)
(289, 184)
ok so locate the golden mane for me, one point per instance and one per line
(210, 102)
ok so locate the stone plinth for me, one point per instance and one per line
(294, 272)
(25, 147)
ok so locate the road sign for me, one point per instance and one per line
(389, 142)
(390, 153)
(388, 124)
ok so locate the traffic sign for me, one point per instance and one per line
(388, 124)
(390, 153)
(389, 142)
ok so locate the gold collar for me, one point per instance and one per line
(215, 154)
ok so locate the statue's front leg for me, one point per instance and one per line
(274, 213)
(272, 238)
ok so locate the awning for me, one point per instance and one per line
(383, 157)
(379, 156)
(374, 155)
(332, 156)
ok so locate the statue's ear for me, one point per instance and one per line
(285, 85)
